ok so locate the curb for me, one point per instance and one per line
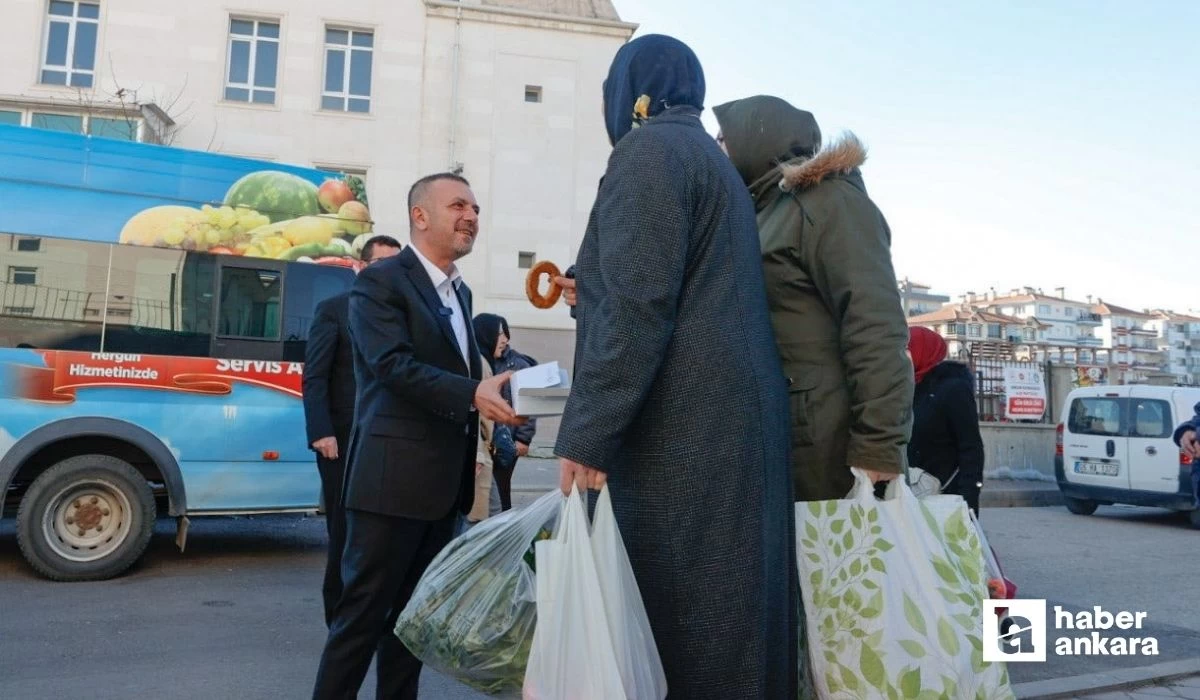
(1019, 497)
(1122, 679)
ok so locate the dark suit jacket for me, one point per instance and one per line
(329, 371)
(412, 450)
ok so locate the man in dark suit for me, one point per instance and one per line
(411, 461)
(328, 389)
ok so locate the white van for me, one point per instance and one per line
(1115, 445)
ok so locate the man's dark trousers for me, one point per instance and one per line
(383, 553)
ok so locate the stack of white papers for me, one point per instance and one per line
(540, 391)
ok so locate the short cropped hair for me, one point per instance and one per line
(417, 192)
(368, 249)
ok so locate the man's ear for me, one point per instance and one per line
(420, 219)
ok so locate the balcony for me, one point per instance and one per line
(1090, 319)
(1145, 332)
(1089, 340)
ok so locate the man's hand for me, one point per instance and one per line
(491, 404)
(522, 449)
(326, 447)
(1190, 445)
(583, 477)
(478, 468)
(568, 287)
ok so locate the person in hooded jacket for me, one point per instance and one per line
(696, 461)
(832, 293)
(493, 337)
(945, 436)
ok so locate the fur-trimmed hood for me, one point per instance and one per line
(841, 157)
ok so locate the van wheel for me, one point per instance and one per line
(1080, 506)
(87, 518)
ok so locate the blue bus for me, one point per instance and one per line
(154, 307)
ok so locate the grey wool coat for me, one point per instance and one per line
(697, 455)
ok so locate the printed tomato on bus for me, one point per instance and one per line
(152, 329)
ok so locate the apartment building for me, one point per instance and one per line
(1066, 330)
(918, 299)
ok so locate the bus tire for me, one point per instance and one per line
(87, 518)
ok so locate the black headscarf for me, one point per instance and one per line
(648, 76)
(487, 331)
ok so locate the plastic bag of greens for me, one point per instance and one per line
(472, 614)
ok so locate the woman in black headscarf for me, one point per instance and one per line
(493, 338)
(696, 456)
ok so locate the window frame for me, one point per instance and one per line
(15, 270)
(252, 60)
(347, 49)
(68, 68)
(28, 114)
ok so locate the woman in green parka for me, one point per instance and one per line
(835, 305)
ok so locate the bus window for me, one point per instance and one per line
(160, 302)
(52, 294)
(307, 286)
(250, 303)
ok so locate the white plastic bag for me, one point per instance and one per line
(593, 639)
(474, 611)
(637, 656)
(893, 596)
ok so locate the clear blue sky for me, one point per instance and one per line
(1011, 143)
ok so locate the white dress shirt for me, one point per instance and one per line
(445, 286)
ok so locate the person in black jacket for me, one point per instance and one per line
(945, 434)
(328, 389)
(410, 464)
(493, 336)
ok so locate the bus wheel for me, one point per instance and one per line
(87, 518)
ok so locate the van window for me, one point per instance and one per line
(1152, 419)
(1096, 416)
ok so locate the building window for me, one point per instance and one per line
(70, 123)
(70, 43)
(29, 245)
(525, 260)
(976, 330)
(19, 310)
(1028, 333)
(347, 70)
(533, 93)
(1044, 310)
(122, 129)
(253, 61)
(22, 275)
(10, 118)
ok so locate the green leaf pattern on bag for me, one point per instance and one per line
(846, 547)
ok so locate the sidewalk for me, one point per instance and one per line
(1011, 493)
(538, 473)
(1176, 679)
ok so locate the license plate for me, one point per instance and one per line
(1097, 469)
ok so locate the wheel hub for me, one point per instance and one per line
(88, 520)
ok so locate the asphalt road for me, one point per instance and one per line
(239, 614)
